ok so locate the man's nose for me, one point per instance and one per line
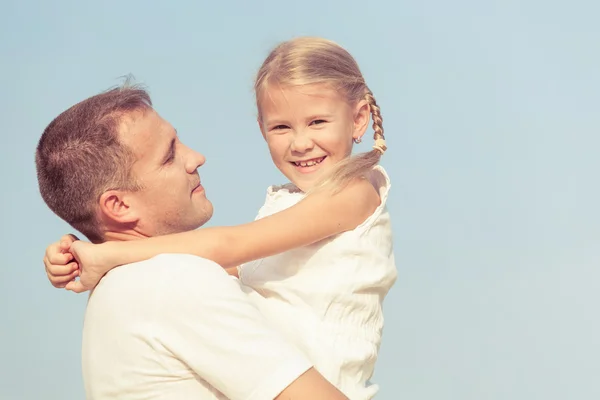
(194, 161)
(301, 143)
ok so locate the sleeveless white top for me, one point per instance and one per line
(327, 297)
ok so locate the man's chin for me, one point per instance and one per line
(206, 213)
(207, 218)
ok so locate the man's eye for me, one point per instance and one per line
(170, 159)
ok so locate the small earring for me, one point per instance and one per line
(357, 140)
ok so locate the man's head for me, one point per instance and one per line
(111, 165)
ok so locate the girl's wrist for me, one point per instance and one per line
(109, 252)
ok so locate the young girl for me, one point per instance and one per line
(322, 244)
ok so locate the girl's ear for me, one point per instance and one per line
(362, 117)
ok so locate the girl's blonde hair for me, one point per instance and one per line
(309, 60)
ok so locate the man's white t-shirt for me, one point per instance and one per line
(178, 327)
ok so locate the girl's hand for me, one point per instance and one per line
(59, 262)
(93, 265)
(70, 258)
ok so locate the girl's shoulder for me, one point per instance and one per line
(284, 189)
(377, 176)
(380, 181)
(280, 197)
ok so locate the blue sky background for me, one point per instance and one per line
(491, 113)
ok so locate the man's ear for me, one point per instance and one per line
(362, 117)
(115, 206)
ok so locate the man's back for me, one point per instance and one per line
(178, 326)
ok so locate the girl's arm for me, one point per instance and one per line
(318, 216)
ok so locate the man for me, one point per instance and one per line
(176, 326)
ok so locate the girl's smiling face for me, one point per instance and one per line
(309, 129)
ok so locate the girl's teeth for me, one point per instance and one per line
(309, 163)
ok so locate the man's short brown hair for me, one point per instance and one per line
(80, 156)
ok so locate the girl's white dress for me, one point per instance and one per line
(327, 298)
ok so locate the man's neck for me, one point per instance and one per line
(123, 236)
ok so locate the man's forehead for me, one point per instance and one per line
(148, 125)
(145, 132)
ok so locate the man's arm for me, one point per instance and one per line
(204, 319)
(311, 386)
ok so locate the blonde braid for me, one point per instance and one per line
(377, 123)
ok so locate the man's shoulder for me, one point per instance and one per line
(168, 263)
(165, 273)
(180, 261)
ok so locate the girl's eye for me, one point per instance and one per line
(279, 127)
(317, 122)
